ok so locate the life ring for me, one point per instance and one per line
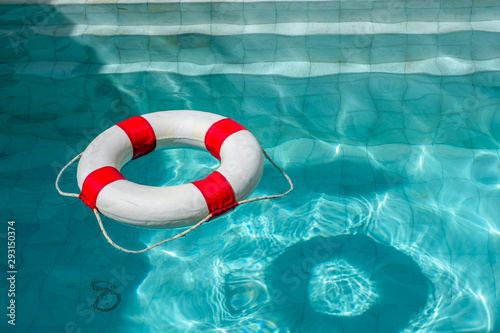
(104, 188)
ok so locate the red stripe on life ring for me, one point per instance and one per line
(217, 192)
(218, 133)
(141, 135)
(95, 182)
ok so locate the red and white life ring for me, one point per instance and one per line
(104, 187)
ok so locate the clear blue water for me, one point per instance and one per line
(391, 138)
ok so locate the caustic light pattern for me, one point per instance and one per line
(338, 288)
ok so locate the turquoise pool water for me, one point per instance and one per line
(385, 115)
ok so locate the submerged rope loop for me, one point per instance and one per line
(185, 232)
(61, 172)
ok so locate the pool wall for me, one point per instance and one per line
(318, 64)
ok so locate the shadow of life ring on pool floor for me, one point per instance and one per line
(345, 283)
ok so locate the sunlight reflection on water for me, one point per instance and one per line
(414, 236)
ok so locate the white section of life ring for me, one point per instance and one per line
(173, 206)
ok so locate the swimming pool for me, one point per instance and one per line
(385, 114)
